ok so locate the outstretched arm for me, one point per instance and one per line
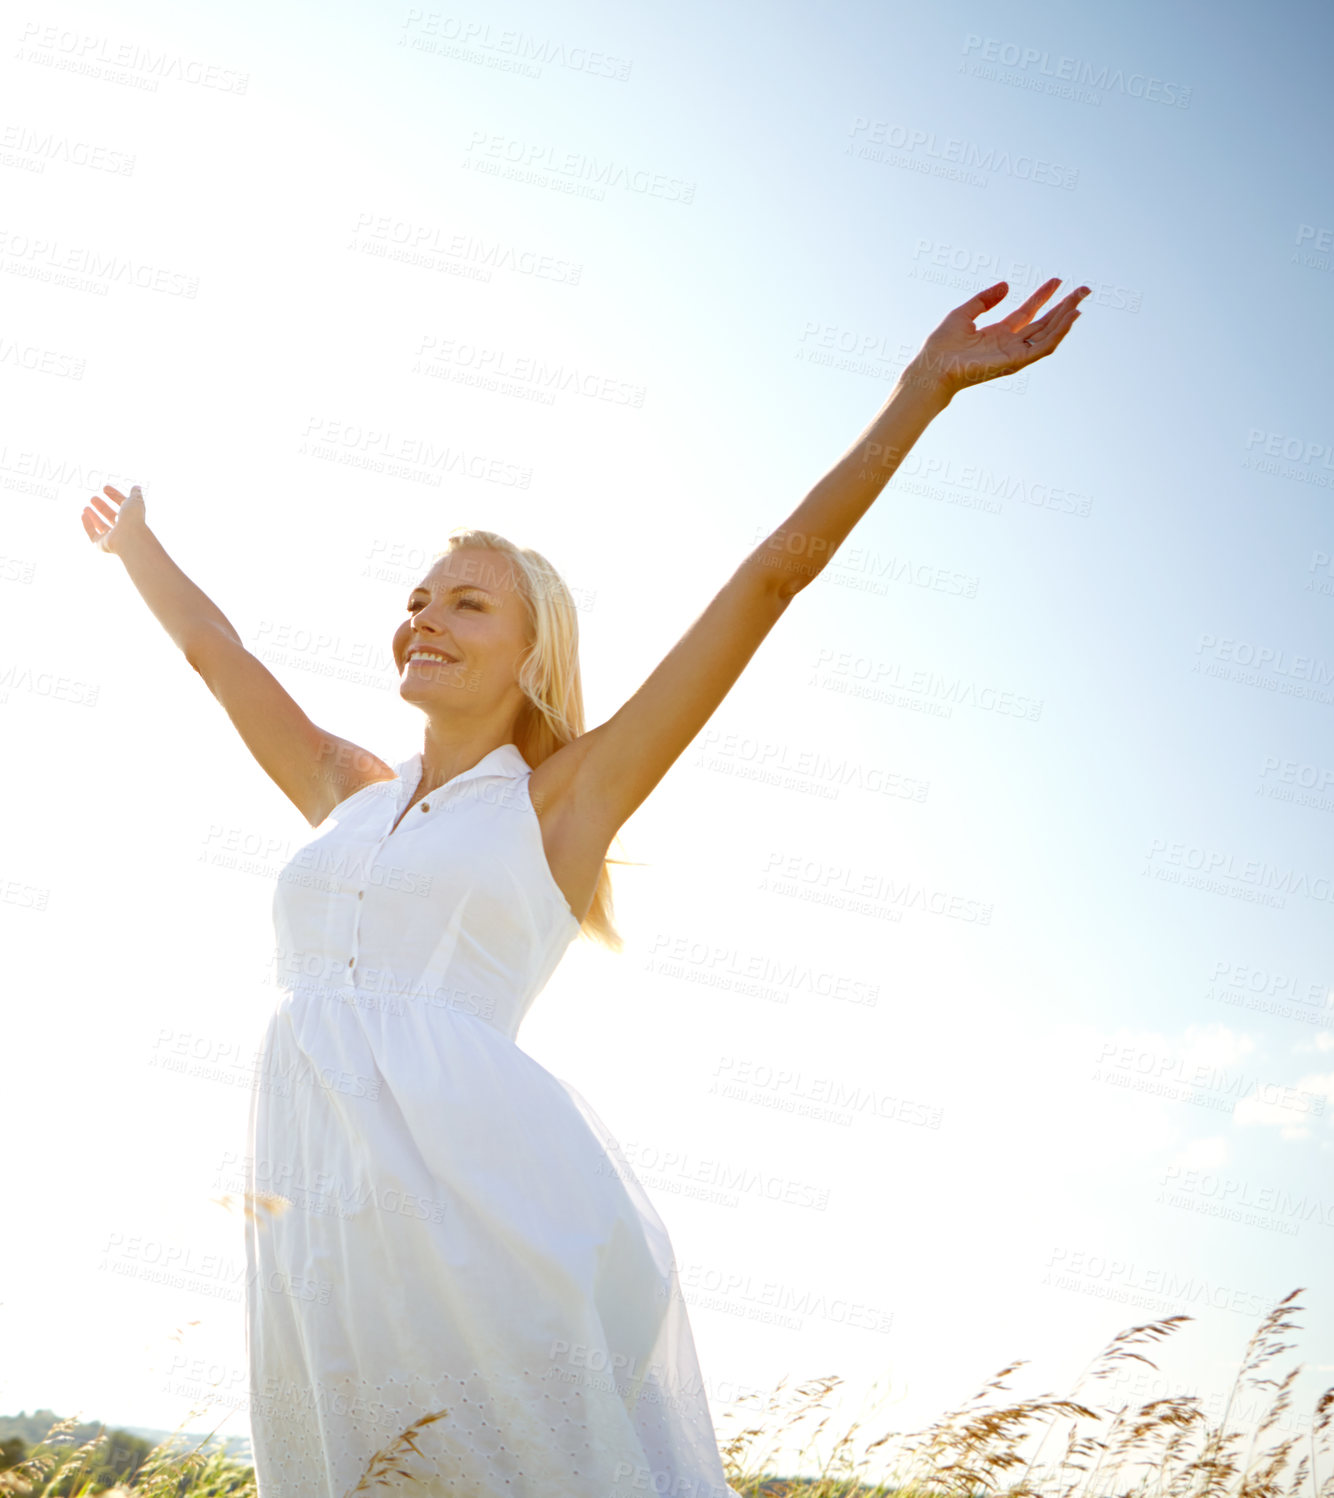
(614, 766)
(956, 355)
(315, 769)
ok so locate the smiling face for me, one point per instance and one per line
(467, 607)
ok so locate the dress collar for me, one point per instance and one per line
(505, 760)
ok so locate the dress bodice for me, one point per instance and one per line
(455, 911)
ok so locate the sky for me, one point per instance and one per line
(977, 999)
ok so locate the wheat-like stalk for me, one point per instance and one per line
(381, 1466)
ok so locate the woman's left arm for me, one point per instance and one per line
(614, 766)
(956, 355)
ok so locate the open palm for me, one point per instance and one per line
(107, 527)
(959, 353)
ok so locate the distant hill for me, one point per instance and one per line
(33, 1428)
(236, 1446)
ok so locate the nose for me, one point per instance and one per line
(422, 625)
(423, 631)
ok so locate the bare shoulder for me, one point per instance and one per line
(344, 769)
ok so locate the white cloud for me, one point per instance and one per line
(1211, 1045)
(1288, 1107)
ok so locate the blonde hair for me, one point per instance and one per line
(553, 713)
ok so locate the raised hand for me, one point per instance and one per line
(108, 527)
(959, 353)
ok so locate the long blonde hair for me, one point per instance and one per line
(553, 714)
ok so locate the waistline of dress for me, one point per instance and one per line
(397, 1003)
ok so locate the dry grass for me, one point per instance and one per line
(56, 1465)
(383, 1465)
(1165, 1448)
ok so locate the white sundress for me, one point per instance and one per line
(437, 1222)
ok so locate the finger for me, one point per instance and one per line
(114, 493)
(93, 526)
(1065, 314)
(1066, 304)
(104, 508)
(1022, 315)
(984, 301)
(1031, 332)
(1049, 338)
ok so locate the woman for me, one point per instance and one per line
(441, 1246)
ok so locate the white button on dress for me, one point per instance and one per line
(437, 1222)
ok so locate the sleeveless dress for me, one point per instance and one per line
(435, 1222)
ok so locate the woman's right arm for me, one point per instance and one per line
(313, 768)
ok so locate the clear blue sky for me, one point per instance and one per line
(721, 226)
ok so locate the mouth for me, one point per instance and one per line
(428, 658)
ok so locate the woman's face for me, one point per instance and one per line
(467, 607)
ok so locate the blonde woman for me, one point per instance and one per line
(440, 1242)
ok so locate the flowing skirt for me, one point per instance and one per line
(441, 1242)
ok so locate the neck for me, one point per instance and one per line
(442, 761)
